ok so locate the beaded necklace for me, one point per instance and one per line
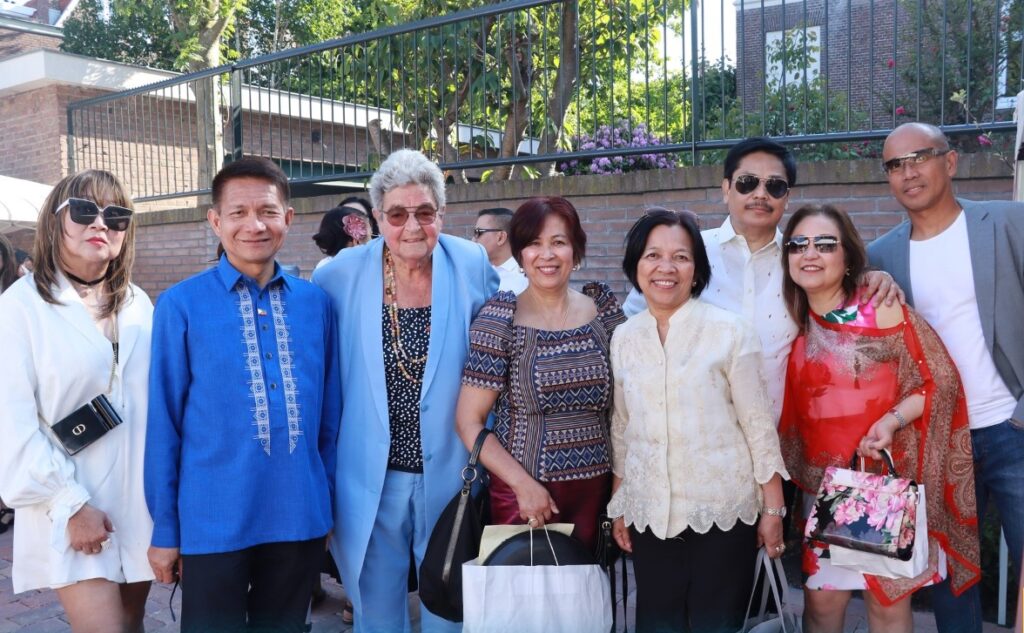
(391, 301)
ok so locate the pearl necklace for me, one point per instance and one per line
(402, 358)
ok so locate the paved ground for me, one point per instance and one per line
(40, 612)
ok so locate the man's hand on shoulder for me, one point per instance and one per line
(877, 286)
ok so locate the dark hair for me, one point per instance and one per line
(636, 242)
(21, 256)
(854, 253)
(9, 264)
(332, 237)
(528, 222)
(760, 144)
(502, 216)
(251, 167)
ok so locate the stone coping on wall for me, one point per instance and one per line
(829, 172)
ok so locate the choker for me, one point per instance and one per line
(82, 282)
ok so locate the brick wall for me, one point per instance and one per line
(33, 126)
(856, 45)
(13, 42)
(175, 244)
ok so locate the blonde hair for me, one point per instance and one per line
(48, 249)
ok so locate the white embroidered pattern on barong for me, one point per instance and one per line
(257, 385)
(284, 358)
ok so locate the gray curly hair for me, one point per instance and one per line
(406, 167)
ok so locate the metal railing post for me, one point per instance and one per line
(235, 113)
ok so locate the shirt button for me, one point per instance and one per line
(264, 327)
(268, 355)
(273, 385)
(427, 457)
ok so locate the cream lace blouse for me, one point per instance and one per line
(692, 430)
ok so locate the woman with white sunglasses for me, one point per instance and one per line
(77, 334)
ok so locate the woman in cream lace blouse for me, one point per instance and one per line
(696, 461)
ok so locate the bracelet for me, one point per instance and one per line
(899, 417)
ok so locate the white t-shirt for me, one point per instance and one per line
(943, 283)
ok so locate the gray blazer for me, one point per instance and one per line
(995, 232)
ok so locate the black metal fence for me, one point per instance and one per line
(532, 87)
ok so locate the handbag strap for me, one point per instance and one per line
(550, 546)
(764, 565)
(469, 475)
(886, 457)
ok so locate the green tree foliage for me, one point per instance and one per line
(136, 33)
(968, 47)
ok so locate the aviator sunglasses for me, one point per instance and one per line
(797, 245)
(398, 216)
(776, 187)
(85, 211)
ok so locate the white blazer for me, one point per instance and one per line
(55, 360)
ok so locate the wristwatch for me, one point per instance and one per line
(775, 512)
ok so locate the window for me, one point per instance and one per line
(802, 55)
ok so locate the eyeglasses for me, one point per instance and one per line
(914, 158)
(776, 187)
(85, 211)
(479, 232)
(398, 215)
(798, 244)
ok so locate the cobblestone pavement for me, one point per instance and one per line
(40, 611)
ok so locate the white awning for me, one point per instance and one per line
(20, 201)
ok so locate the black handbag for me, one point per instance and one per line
(455, 540)
(86, 424)
(608, 554)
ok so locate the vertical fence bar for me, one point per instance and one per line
(72, 150)
(235, 115)
(694, 90)
(969, 53)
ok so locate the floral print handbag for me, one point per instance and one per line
(866, 511)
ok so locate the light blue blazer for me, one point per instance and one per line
(463, 279)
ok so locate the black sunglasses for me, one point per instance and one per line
(913, 158)
(797, 245)
(85, 212)
(776, 187)
(480, 232)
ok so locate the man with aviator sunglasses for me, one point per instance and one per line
(959, 261)
(746, 254)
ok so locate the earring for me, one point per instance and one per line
(521, 271)
(575, 267)
(847, 272)
(693, 285)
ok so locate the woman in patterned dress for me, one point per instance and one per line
(540, 361)
(861, 379)
(698, 472)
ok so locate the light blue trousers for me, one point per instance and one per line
(400, 526)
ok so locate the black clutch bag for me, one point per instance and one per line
(86, 424)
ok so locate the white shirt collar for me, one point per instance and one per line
(726, 233)
(510, 265)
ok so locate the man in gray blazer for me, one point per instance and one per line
(961, 264)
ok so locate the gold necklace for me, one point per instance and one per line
(402, 358)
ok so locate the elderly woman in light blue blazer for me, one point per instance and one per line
(404, 304)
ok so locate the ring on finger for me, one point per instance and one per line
(531, 521)
(780, 548)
